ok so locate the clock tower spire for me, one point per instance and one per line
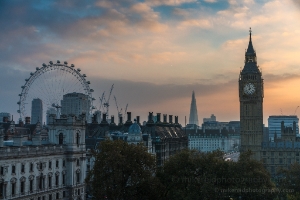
(251, 103)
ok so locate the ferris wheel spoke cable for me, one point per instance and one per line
(64, 81)
(50, 83)
(68, 84)
(76, 80)
(48, 90)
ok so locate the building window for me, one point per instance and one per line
(22, 168)
(50, 196)
(61, 138)
(2, 170)
(297, 153)
(57, 164)
(41, 182)
(264, 153)
(49, 181)
(56, 180)
(22, 187)
(63, 179)
(13, 169)
(78, 177)
(280, 154)
(78, 192)
(280, 160)
(50, 164)
(77, 139)
(31, 185)
(64, 193)
(78, 162)
(64, 163)
(57, 195)
(31, 167)
(13, 189)
(41, 166)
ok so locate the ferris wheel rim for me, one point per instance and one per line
(54, 66)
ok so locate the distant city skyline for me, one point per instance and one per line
(157, 52)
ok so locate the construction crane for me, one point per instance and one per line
(126, 110)
(119, 112)
(296, 110)
(106, 104)
(101, 100)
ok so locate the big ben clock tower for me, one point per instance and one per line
(251, 94)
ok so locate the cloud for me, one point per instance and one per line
(210, 1)
(168, 2)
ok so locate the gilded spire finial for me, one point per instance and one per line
(250, 31)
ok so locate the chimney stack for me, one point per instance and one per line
(128, 116)
(27, 120)
(176, 119)
(120, 119)
(171, 119)
(104, 117)
(165, 118)
(112, 119)
(5, 119)
(158, 118)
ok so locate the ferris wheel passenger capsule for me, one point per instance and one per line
(18, 102)
(88, 82)
(18, 111)
(58, 61)
(83, 75)
(51, 63)
(20, 95)
(79, 69)
(37, 68)
(65, 62)
(44, 65)
(31, 73)
(23, 87)
(26, 79)
(72, 65)
(91, 90)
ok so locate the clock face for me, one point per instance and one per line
(249, 88)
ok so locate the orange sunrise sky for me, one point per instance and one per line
(157, 52)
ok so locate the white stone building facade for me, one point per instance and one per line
(45, 168)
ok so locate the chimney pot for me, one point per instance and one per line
(27, 120)
(128, 116)
(171, 119)
(112, 121)
(158, 117)
(165, 118)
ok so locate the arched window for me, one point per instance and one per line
(77, 139)
(61, 138)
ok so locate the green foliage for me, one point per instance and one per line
(193, 175)
(288, 181)
(123, 171)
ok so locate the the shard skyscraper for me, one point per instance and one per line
(193, 112)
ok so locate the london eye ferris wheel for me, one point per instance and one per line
(49, 83)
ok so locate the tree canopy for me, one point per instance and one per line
(123, 171)
(128, 171)
(193, 175)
